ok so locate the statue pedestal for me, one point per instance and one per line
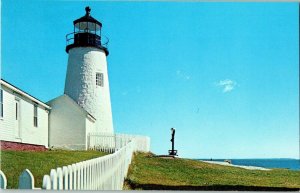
(166, 156)
(173, 152)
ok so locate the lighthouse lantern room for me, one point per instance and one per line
(87, 32)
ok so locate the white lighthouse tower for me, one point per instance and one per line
(87, 77)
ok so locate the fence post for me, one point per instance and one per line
(65, 178)
(3, 180)
(93, 170)
(102, 177)
(59, 179)
(74, 171)
(70, 173)
(80, 176)
(87, 179)
(26, 180)
(53, 177)
(46, 182)
(78, 173)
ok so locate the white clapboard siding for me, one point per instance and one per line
(24, 131)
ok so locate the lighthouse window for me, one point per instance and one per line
(99, 79)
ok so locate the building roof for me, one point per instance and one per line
(74, 103)
(23, 93)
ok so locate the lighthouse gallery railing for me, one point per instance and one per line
(90, 39)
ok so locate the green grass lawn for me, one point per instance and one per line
(39, 163)
(152, 173)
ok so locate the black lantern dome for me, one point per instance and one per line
(87, 33)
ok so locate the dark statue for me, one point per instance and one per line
(173, 152)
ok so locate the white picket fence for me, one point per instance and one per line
(26, 180)
(103, 173)
(102, 141)
(113, 142)
(3, 180)
(142, 142)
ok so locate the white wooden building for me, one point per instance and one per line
(26, 123)
(70, 124)
(23, 118)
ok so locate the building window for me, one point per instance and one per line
(35, 116)
(17, 111)
(1, 103)
(99, 79)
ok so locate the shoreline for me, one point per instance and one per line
(239, 166)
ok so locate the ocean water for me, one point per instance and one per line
(292, 164)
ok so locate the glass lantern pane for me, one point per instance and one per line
(83, 26)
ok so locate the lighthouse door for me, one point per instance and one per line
(17, 118)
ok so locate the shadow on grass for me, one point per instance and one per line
(134, 186)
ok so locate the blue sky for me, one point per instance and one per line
(225, 75)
